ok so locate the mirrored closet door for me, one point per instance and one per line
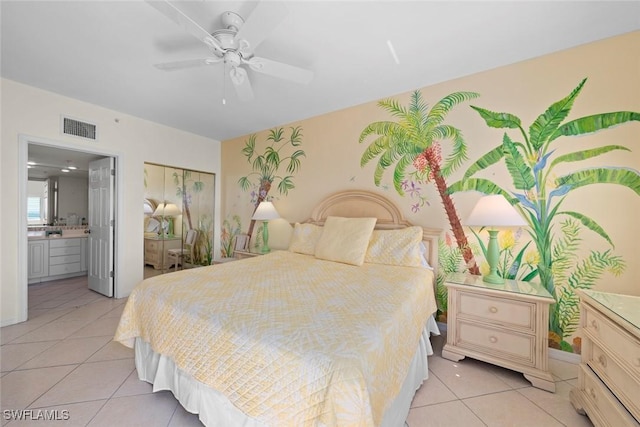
(178, 218)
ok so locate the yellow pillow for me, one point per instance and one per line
(396, 247)
(345, 239)
(304, 238)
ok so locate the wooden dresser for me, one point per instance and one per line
(506, 325)
(609, 377)
(155, 250)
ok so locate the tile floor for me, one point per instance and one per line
(63, 359)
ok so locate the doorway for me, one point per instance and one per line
(61, 154)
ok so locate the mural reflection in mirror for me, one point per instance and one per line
(178, 218)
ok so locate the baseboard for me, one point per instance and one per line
(564, 356)
(556, 354)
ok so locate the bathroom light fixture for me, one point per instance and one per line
(65, 170)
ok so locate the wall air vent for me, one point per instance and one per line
(78, 128)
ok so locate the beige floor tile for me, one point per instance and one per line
(116, 312)
(557, 404)
(432, 391)
(133, 386)
(67, 352)
(102, 327)
(516, 410)
(448, 414)
(144, 410)
(14, 355)
(467, 378)
(57, 330)
(182, 418)
(90, 381)
(21, 388)
(112, 351)
(69, 415)
(563, 370)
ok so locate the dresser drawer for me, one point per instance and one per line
(54, 270)
(65, 259)
(499, 343)
(500, 311)
(603, 406)
(63, 243)
(622, 345)
(619, 382)
(67, 250)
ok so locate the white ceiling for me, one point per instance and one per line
(103, 52)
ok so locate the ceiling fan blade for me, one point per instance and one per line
(265, 18)
(240, 80)
(280, 70)
(187, 63)
(177, 16)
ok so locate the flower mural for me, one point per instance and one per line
(539, 194)
(415, 141)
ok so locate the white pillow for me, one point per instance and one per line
(304, 239)
(396, 247)
(345, 239)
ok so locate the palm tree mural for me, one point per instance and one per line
(539, 195)
(266, 165)
(414, 140)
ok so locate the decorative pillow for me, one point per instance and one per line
(304, 239)
(345, 239)
(396, 247)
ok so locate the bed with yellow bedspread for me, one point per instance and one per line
(287, 338)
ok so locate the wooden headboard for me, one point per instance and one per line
(361, 203)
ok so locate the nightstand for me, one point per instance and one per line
(246, 254)
(503, 324)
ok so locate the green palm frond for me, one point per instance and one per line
(564, 250)
(377, 147)
(490, 158)
(499, 120)
(458, 153)
(394, 108)
(380, 128)
(399, 172)
(520, 172)
(578, 156)
(441, 108)
(479, 184)
(589, 223)
(594, 123)
(547, 123)
(296, 136)
(275, 134)
(606, 175)
(249, 147)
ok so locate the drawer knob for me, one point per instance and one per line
(602, 360)
(594, 325)
(493, 339)
(493, 309)
(592, 393)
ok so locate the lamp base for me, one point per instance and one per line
(493, 278)
(265, 239)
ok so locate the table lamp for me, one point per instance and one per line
(265, 212)
(168, 210)
(494, 211)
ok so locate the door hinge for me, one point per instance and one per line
(113, 172)
(111, 274)
(113, 222)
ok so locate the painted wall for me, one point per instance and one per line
(36, 113)
(526, 89)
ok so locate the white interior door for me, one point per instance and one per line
(101, 225)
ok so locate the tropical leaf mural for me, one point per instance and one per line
(539, 195)
(414, 142)
(266, 166)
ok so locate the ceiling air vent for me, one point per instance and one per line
(77, 128)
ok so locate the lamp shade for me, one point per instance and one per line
(494, 211)
(265, 211)
(167, 209)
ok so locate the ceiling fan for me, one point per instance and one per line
(234, 44)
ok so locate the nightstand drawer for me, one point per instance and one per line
(604, 408)
(499, 311)
(499, 343)
(617, 341)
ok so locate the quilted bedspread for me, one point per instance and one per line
(288, 338)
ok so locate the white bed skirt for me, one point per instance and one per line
(214, 409)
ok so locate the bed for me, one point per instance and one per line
(314, 335)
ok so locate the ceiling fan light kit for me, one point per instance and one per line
(234, 44)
